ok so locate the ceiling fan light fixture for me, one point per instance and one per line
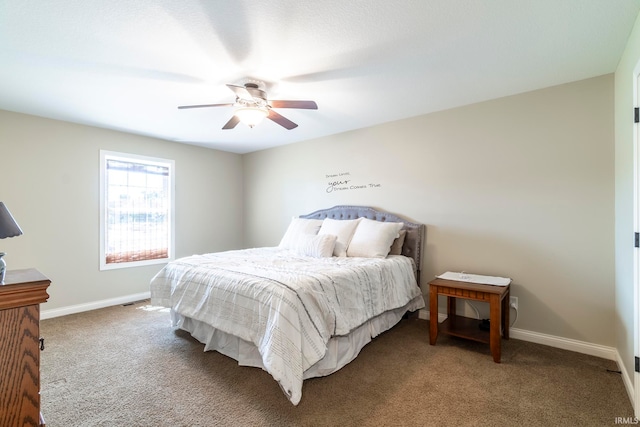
(252, 106)
(251, 116)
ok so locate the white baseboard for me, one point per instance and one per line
(79, 308)
(424, 315)
(597, 350)
(626, 379)
(565, 343)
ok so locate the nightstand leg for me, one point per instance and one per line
(495, 307)
(506, 311)
(433, 314)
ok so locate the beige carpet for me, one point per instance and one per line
(126, 366)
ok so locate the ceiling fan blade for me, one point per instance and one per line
(281, 120)
(203, 106)
(233, 121)
(307, 105)
(241, 92)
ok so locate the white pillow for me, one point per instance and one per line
(343, 229)
(298, 227)
(319, 246)
(396, 246)
(373, 239)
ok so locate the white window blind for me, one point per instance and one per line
(137, 210)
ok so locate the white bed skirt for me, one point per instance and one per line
(340, 349)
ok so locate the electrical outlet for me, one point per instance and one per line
(513, 302)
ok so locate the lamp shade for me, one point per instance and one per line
(8, 226)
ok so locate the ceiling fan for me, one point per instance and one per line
(252, 106)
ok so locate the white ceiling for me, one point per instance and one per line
(127, 65)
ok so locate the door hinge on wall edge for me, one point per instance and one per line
(637, 364)
(636, 115)
(636, 240)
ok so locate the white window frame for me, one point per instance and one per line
(112, 155)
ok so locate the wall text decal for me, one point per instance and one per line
(343, 181)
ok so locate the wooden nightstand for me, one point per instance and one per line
(464, 327)
(20, 299)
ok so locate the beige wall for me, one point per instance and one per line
(625, 99)
(50, 182)
(521, 186)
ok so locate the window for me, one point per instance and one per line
(136, 210)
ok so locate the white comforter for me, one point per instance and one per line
(286, 304)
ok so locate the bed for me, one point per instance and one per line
(339, 277)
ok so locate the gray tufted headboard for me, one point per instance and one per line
(412, 247)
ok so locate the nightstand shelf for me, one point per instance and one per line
(464, 327)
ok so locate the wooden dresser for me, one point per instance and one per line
(20, 299)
